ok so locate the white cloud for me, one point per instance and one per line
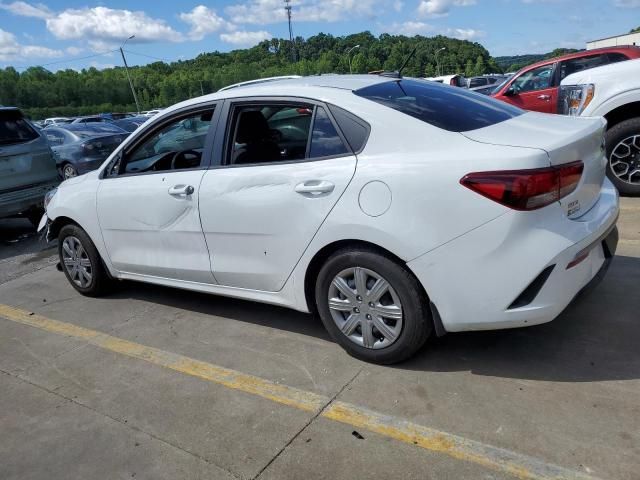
(627, 3)
(25, 9)
(440, 8)
(245, 39)
(272, 11)
(464, 33)
(204, 21)
(105, 28)
(11, 50)
(412, 28)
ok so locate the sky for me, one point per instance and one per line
(78, 34)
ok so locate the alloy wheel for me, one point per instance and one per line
(625, 160)
(365, 307)
(69, 172)
(76, 262)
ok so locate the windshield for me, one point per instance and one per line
(450, 108)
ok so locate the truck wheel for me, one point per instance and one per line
(623, 155)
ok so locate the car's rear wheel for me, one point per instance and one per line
(81, 262)
(69, 171)
(623, 154)
(372, 306)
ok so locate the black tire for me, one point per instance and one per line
(417, 323)
(614, 136)
(100, 282)
(34, 216)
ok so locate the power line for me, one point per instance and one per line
(149, 56)
(69, 60)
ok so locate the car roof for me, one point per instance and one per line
(582, 53)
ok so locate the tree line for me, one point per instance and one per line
(42, 93)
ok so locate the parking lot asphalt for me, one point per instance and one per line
(158, 383)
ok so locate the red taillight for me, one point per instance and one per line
(453, 82)
(526, 189)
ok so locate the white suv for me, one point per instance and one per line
(613, 92)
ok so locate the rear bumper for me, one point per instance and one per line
(21, 200)
(475, 280)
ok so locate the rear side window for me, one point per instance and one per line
(355, 130)
(14, 128)
(452, 109)
(615, 57)
(325, 141)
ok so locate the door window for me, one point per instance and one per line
(535, 79)
(267, 133)
(325, 141)
(54, 137)
(583, 63)
(176, 145)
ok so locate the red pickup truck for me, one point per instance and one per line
(536, 86)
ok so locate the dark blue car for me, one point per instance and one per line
(80, 148)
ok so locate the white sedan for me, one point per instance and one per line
(392, 207)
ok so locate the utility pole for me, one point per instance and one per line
(126, 68)
(287, 7)
(201, 88)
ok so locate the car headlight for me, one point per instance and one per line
(49, 196)
(574, 99)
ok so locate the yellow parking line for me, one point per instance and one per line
(501, 460)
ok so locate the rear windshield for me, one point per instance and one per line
(450, 108)
(14, 128)
(93, 130)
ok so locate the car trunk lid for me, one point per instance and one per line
(565, 140)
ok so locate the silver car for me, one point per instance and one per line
(27, 168)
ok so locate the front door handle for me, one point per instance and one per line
(181, 190)
(315, 187)
(544, 97)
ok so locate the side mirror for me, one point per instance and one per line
(511, 91)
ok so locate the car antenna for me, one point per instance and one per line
(398, 73)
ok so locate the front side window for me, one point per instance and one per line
(535, 79)
(267, 133)
(177, 145)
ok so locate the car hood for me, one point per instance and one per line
(623, 72)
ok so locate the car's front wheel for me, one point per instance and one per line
(372, 306)
(81, 262)
(69, 171)
(623, 153)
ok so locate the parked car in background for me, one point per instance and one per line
(116, 115)
(484, 80)
(90, 119)
(613, 92)
(27, 168)
(131, 124)
(293, 193)
(455, 80)
(56, 121)
(536, 87)
(79, 148)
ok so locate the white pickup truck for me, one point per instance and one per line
(611, 91)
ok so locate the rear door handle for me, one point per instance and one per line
(181, 190)
(544, 97)
(315, 187)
